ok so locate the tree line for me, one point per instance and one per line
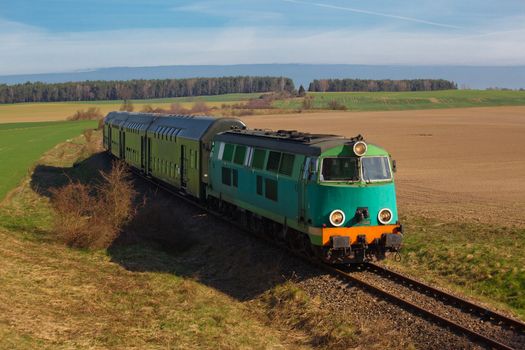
(140, 89)
(339, 85)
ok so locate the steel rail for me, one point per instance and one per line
(418, 309)
(342, 274)
(470, 306)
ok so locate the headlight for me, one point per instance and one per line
(385, 216)
(360, 148)
(337, 217)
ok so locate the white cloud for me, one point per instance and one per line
(31, 50)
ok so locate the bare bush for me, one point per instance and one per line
(259, 103)
(336, 105)
(177, 108)
(92, 216)
(74, 205)
(200, 107)
(308, 102)
(149, 109)
(92, 113)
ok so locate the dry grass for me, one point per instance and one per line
(325, 327)
(56, 297)
(90, 216)
(292, 307)
(127, 106)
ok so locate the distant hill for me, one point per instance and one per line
(474, 77)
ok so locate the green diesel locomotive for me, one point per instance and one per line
(324, 195)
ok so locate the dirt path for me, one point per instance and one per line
(457, 164)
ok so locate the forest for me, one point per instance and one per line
(338, 85)
(140, 89)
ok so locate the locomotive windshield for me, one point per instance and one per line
(347, 169)
(376, 169)
(340, 169)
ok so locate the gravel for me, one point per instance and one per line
(489, 328)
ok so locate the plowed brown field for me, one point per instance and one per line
(453, 164)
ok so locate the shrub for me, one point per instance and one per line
(200, 107)
(336, 105)
(176, 108)
(92, 216)
(308, 102)
(259, 103)
(92, 113)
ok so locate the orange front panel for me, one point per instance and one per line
(371, 232)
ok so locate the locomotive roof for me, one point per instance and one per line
(286, 140)
(191, 127)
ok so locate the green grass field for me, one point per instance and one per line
(352, 101)
(22, 144)
(394, 101)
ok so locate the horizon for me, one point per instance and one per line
(466, 77)
(57, 36)
(90, 70)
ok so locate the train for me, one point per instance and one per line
(327, 197)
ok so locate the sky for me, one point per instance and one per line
(44, 36)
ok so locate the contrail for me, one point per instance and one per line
(489, 34)
(373, 13)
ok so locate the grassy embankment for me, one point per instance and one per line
(52, 111)
(22, 144)
(53, 296)
(394, 101)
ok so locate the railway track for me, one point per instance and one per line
(505, 332)
(480, 324)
